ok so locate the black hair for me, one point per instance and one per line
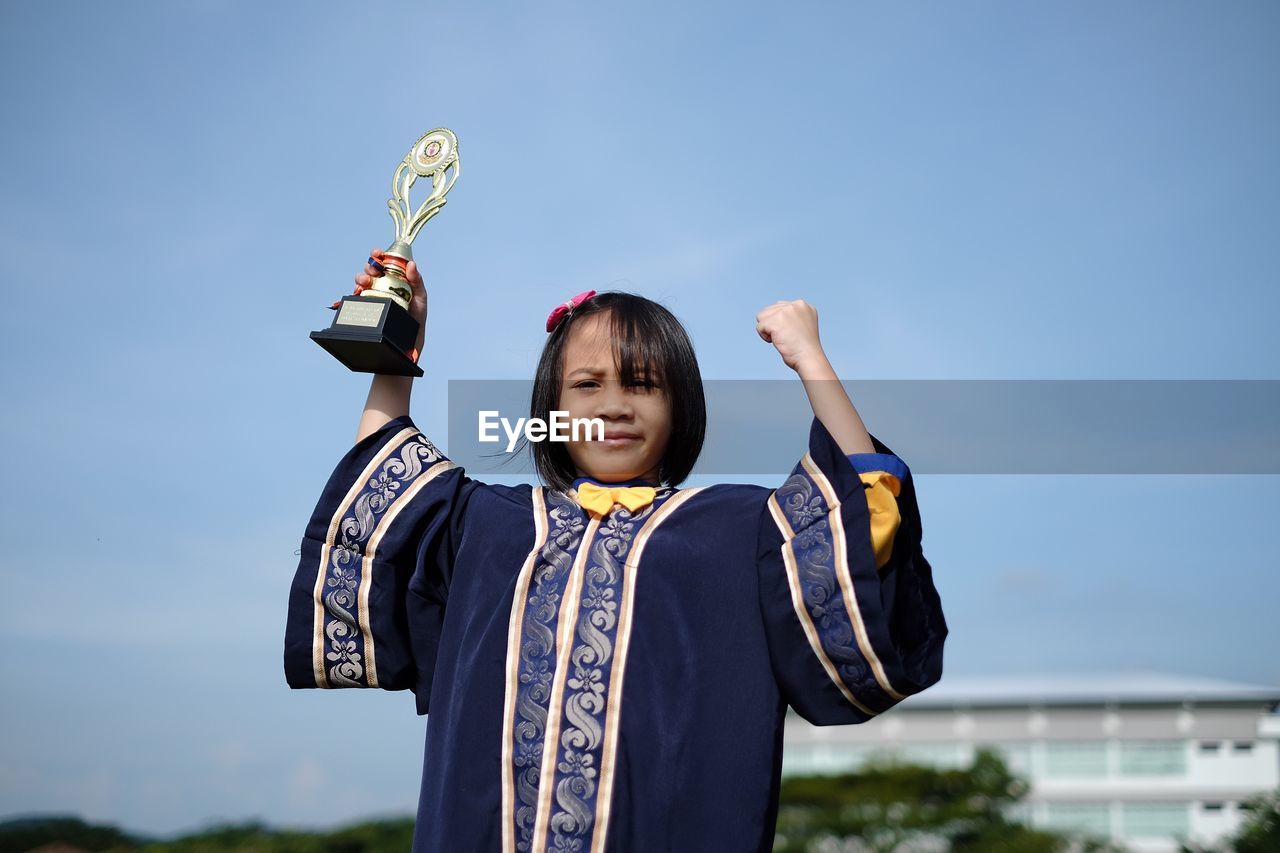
(648, 340)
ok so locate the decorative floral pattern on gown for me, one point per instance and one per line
(612, 682)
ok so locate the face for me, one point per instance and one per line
(637, 419)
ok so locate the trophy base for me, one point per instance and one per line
(371, 334)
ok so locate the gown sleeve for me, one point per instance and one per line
(882, 475)
(367, 601)
(852, 617)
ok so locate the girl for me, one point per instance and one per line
(607, 658)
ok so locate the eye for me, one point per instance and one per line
(639, 383)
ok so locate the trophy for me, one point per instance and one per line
(373, 331)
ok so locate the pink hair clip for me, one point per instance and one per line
(564, 308)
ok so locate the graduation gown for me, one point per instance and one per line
(616, 682)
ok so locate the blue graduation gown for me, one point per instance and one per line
(612, 683)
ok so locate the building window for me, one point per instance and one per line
(1242, 747)
(1209, 746)
(1212, 807)
(941, 755)
(848, 757)
(1075, 758)
(823, 758)
(1152, 758)
(798, 760)
(1019, 813)
(1154, 820)
(1017, 756)
(1087, 818)
(829, 758)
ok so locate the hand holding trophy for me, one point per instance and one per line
(374, 330)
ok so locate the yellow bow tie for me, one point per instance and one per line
(600, 499)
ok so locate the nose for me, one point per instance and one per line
(614, 402)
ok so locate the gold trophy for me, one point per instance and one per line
(373, 331)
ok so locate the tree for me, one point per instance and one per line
(1261, 830)
(891, 807)
(27, 833)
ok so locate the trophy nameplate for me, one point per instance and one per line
(373, 331)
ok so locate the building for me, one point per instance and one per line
(1139, 758)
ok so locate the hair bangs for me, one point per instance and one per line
(637, 350)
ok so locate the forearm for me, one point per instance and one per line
(832, 406)
(389, 395)
(388, 399)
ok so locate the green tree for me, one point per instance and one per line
(27, 833)
(374, 836)
(1261, 830)
(393, 835)
(891, 807)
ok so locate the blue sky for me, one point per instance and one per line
(993, 191)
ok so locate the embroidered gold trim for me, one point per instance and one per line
(318, 637)
(613, 708)
(366, 562)
(566, 620)
(839, 546)
(515, 631)
(802, 611)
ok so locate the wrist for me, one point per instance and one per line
(815, 366)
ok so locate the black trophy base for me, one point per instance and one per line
(372, 335)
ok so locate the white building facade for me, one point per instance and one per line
(1142, 759)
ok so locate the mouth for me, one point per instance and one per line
(619, 438)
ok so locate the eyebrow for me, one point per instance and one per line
(595, 371)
